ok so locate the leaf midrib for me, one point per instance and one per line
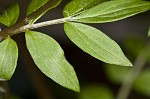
(96, 44)
(127, 8)
(60, 69)
(3, 59)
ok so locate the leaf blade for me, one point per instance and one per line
(96, 43)
(77, 6)
(9, 16)
(49, 57)
(113, 11)
(8, 60)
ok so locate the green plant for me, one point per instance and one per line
(47, 53)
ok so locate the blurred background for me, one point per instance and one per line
(97, 79)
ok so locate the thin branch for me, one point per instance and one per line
(10, 32)
(130, 78)
(42, 24)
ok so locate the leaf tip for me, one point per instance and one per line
(128, 63)
(77, 89)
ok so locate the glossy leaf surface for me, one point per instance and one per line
(8, 58)
(96, 43)
(77, 6)
(112, 11)
(9, 16)
(44, 6)
(49, 57)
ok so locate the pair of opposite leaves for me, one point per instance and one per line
(48, 55)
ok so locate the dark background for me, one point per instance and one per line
(29, 83)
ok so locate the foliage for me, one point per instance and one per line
(54, 63)
(141, 82)
(47, 53)
(111, 11)
(96, 43)
(9, 16)
(8, 60)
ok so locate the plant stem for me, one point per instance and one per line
(42, 24)
(130, 78)
(12, 31)
(15, 29)
(4, 89)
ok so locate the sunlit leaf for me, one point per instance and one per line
(142, 83)
(96, 43)
(8, 58)
(77, 6)
(96, 91)
(113, 11)
(9, 16)
(36, 4)
(49, 57)
(116, 73)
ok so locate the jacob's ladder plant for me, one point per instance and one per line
(47, 53)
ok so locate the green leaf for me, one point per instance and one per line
(77, 6)
(8, 58)
(49, 57)
(96, 43)
(34, 5)
(44, 6)
(9, 16)
(116, 73)
(142, 83)
(96, 91)
(112, 11)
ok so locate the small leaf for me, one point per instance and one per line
(49, 57)
(142, 83)
(77, 6)
(9, 16)
(8, 58)
(36, 4)
(112, 11)
(95, 91)
(96, 43)
(116, 73)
